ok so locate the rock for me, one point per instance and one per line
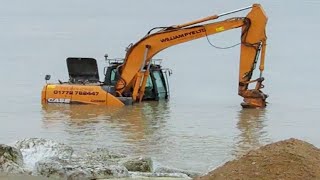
(36, 149)
(51, 159)
(78, 169)
(141, 164)
(11, 160)
(79, 174)
(112, 171)
(163, 175)
(173, 170)
(51, 168)
(103, 154)
(102, 163)
(11, 154)
(6, 176)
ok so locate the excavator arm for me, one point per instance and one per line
(135, 70)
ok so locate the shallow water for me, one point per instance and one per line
(203, 124)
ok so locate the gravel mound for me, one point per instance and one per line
(288, 159)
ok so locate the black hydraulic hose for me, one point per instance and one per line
(163, 28)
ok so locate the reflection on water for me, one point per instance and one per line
(251, 123)
(132, 126)
(151, 129)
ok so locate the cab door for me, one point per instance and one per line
(159, 82)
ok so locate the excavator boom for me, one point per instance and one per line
(253, 44)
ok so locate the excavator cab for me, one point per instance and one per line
(157, 86)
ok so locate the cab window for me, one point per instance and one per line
(159, 80)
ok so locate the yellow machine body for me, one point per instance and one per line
(78, 94)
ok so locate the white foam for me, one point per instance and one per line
(34, 150)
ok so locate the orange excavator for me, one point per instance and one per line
(138, 77)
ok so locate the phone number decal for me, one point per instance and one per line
(92, 93)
